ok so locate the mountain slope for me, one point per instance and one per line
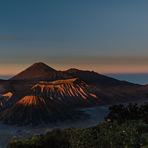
(94, 78)
(30, 109)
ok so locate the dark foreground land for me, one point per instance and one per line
(124, 127)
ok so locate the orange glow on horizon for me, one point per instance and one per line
(13, 69)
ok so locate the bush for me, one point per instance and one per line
(127, 128)
(106, 135)
(54, 139)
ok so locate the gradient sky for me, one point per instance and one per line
(108, 36)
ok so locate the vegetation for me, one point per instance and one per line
(125, 127)
(121, 113)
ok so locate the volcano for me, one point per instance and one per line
(71, 91)
(39, 71)
(41, 94)
(50, 101)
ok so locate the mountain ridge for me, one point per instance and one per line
(42, 89)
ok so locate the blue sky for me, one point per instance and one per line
(74, 33)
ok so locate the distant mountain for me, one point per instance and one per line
(42, 72)
(39, 71)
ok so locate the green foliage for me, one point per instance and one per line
(54, 139)
(109, 135)
(121, 113)
(121, 136)
(106, 135)
(83, 138)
